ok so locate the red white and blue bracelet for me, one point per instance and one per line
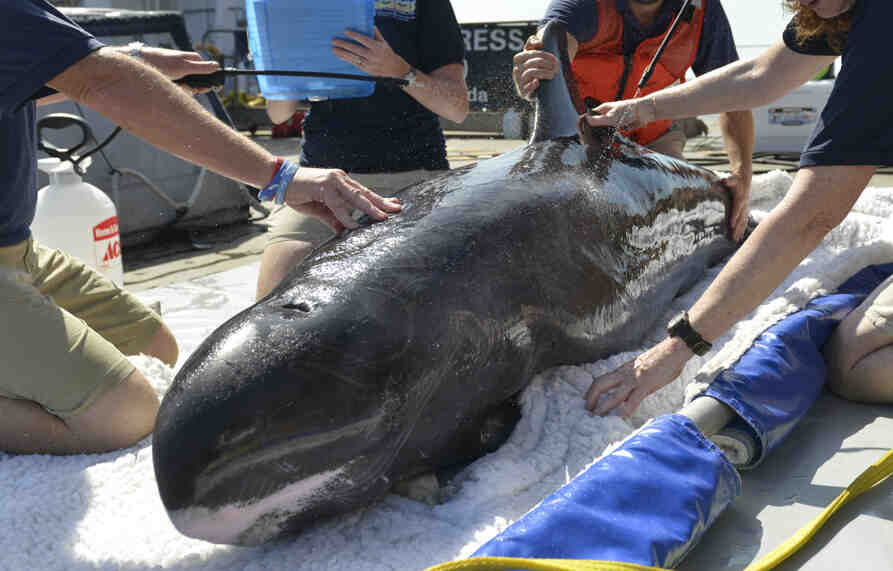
(278, 187)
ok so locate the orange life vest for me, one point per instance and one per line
(603, 73)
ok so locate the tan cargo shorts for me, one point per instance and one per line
(288, 224)
(67, 331)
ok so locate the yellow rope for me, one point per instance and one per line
(507, 563)
(875, 474)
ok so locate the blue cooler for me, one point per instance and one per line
(297, 35)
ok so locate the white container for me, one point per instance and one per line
(785, 125)
(78, 218)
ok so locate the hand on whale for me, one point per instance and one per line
(331, 196)
(635, 113)
(532, 65)
(622, 390)
(739, 187)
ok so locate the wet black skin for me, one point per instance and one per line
(395, 349)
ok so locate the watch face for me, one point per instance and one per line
(675, 323)
(680, 327)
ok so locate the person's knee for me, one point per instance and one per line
(120, 417)
(163, 346)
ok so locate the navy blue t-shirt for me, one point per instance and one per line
(856, 125)
(716, 48)
(389, 131)
(37, 44)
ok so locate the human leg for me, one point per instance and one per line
(860, 352)
(112, 312)
(65, 387)
(120, 417)
(295, 235)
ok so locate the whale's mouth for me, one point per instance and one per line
(280, 460)
(256, 490)
(256, 520)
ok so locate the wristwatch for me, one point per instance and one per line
(410, 77)
(680, 327)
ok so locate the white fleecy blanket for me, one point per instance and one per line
(103, 511)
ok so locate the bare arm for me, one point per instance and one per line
(281, 110)
(532, 64)
(443, 90)
(818, 201)
(173, 64)
(143, 101)
(742, 85)
(735, 87)
(738, 134)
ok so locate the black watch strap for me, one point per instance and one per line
(680, 327)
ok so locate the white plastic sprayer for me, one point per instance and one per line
(78, 218)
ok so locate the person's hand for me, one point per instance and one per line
(332, 196)
(372, 55)
(622, 390)
(628, 114)
(175, 64)
(532, 65)
(739, 186)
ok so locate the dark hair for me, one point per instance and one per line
(810, 25)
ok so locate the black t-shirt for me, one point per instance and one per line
(856, 125)
(389, 131)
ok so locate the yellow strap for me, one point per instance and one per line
(506, 563)
(875, 474)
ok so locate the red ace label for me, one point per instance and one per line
(106, 243)
(106, 229)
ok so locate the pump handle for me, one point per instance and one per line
(61, 121)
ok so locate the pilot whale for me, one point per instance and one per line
(389, 352)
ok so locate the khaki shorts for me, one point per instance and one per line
(67, 329)
(288, 224)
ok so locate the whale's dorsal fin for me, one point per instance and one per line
(557, 104)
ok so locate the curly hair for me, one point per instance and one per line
(810, 25)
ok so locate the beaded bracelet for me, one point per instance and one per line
(279, 185)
